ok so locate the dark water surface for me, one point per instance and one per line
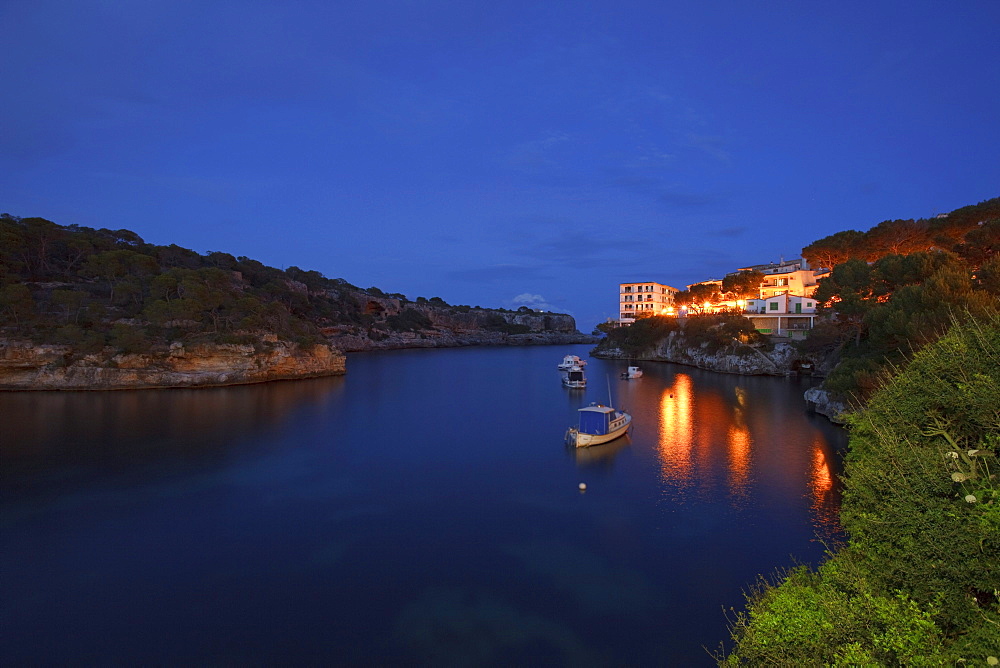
(421, 510)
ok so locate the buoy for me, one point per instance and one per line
(583, 487)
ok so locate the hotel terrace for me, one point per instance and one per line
(783, 306)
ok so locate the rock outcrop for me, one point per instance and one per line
(782, 360)
(451, 327)
(822, 402)
(28, 366)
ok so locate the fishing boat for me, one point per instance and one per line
(570, 361)
(632, 372)
(574, 377)
(598, 424)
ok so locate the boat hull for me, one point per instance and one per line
(579, 439)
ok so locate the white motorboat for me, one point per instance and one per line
(632, 372)
(598, 424)
(570, 361)
(574, 377)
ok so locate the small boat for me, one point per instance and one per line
(632, 372)
(571, 361)
(598, 424)
(574, 377)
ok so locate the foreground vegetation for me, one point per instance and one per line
(918, 582)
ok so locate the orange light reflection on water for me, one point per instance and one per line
(822, 486)
(676, 430)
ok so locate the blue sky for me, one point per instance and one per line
(498, 154)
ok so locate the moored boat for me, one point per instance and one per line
(598, 424)
(570, 361)
(574, 377)
(632, 372)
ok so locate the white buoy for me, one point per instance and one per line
(583, 487)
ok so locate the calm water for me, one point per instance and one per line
(421, 510)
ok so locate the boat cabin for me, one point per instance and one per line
(596, 420)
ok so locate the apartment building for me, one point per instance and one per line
(636, 300)
(788, 276)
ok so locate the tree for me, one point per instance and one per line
(830, 251)
(896, 237)
(743, 284)
(17, 302)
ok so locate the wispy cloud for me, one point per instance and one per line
(712, 145)
(537, 302)
(537, 154)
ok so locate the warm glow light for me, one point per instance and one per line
(821, 484)
(739, 443)
(741, 303)
(676, 430)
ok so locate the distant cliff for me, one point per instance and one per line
(84, 308)
(27, 366)
(403, 324)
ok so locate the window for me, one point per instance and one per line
(809, 304)
(773, 306)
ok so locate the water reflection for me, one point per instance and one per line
(822, 485)
(676, 430)
(600, 457)
(735, 436)
(122, 428)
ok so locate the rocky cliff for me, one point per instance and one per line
(449, 327)
(28, 366)
(781, 360)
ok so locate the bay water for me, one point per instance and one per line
(420, 510)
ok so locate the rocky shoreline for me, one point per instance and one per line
(27, 366)
(351, 343)
(783, 359)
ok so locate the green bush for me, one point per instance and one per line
(408, 320)
(919, 579)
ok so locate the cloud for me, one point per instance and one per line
(713, 145)
(537, 154)
(536, 302)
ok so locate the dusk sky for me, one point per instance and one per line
(498, 154)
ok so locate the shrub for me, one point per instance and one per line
(919, 580)
(408, 320)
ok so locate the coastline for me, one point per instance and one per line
(26, 366)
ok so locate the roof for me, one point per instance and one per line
(598, 409)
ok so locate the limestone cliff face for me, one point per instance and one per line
(451, 327)
(740, 359)
(353, 341)
(26, 366)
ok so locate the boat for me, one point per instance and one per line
(571, 361)
(632, 372)
(574, 377)
(598, 424)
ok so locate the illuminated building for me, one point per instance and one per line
(637, 300)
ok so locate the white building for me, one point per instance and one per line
(636, 300)
(791, 276)
(782, 315)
